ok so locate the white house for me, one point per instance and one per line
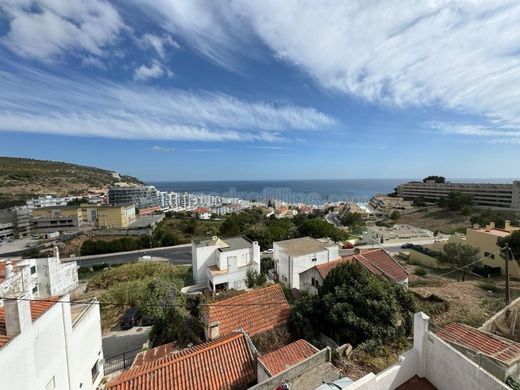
(38, 278)
(50, 345)
(291, 257)
(221, 264)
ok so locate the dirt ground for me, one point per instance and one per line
(435, 218)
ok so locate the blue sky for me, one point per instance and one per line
(224, 90)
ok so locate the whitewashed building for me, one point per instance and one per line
(292, 257)
(37, 278)
(50, 345)
(222, 263)
(397, 234)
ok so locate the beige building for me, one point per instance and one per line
(397, 234)
(385, 205)
(485, 239)
(488, 195)
(98, 215)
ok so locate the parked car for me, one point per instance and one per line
(348, 245)
(130, 318)
(147, 321)
(269, 251)
(407, 246)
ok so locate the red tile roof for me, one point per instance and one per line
(255, 311)
(493, 346)
(210, 366)
(38, 307)
(285, 357)
(377, 261)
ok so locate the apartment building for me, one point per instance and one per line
(485, 195)
(96, 215)
(37, 278)
(15, 223)
(140, 196)
(50, 344)
(291, 257)
(222, 263)
(397, 234)
(385, 205)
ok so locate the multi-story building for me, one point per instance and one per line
(486, 195)
(140, 196)
(385, 205)
(222, 263)
(397, 234)
(97, 215)
(50, 344)
(37, 278)
(15, 223)
(48, 201)
(291, 257)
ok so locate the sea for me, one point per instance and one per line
(298, 191)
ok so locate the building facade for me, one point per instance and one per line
(38, 278)
(485, 195)
(222, 264)
(50, 345)
(15, 223)
(291, 257)
(140, 196)
(396, 234)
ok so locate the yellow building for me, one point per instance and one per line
(485, 239)
(98, 215)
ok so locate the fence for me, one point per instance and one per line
(121, 361)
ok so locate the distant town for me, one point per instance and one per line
(130, 287)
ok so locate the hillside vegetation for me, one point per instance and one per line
(23, 178)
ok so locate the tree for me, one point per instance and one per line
(456, 201)
(436, 179)
(254, 278)
(266, 264)
(352, 219)
(460, 255)
(319, 228)
(355, 306)
(419, 202)
(230, 227)
(395, 215)
(514, 243)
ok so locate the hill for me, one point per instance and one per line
(23, 178)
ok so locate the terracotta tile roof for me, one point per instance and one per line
(497, 348)
(209, 366)
(255, 311)
(37, 309)
(285, 357)
(377, 261)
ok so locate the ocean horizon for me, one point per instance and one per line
(310, 191)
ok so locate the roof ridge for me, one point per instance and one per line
(176, 357)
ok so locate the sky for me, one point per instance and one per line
(255, 90)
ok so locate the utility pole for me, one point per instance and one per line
(508, 296)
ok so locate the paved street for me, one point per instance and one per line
(119, 341)
(180, 254)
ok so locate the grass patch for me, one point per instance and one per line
(425, 283)
(489, 285)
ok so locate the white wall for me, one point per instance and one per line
(201, 258)
(49, 347)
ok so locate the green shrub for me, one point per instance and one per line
(419, 271)
(488, 285)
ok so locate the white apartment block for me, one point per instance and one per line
(50, 345)
(397, 234)
(37, 278)
(222, 263)
(292, 257)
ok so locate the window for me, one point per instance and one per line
(33, 270)
(35, 289)
(94, 371)
(237, 285)
(314, 259)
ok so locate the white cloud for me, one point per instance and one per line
(152, 71)
(461, 55)
(48, 29)
(157, 148)
(160, 44)
(35, 101)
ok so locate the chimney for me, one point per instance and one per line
(507, 225)
(488, 228)
(491, 225)
(357, 251)
(214, 330)
(17, 316)
(56, 252)
(8, 270)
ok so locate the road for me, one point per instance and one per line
(332, 218)
(179, 254)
